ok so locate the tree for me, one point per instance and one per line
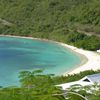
(39, 85)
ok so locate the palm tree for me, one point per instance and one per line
(28, 78)
(40, 87)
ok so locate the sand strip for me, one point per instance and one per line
(93, 62)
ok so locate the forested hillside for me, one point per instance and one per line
(52, 19)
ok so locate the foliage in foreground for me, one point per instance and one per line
(91, 92)
(36, 86)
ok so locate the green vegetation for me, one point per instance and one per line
(53, 19)
(36, 86)
(59, 20)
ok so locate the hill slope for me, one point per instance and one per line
(53, 19)
(50, 15)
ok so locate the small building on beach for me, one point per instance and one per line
(98, 50)
(85, 81)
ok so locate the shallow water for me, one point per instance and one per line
(17, 54)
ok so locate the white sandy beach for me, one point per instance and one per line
(93, 62)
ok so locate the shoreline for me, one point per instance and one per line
(90, 59)
(93, 60)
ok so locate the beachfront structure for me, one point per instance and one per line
(85, 81)
(98, 50)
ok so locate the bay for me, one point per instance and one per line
(18, 54)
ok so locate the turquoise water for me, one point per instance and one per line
(17, 54)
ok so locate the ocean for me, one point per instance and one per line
(19, 54)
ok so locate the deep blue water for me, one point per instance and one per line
(17, 54)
